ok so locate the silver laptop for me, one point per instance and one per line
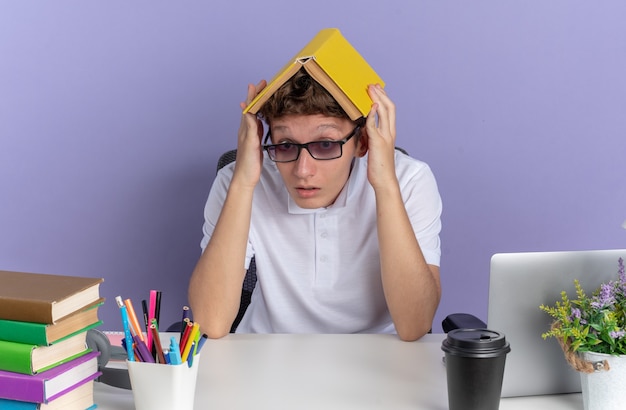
(518, 284)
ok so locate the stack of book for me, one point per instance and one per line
(45, 362)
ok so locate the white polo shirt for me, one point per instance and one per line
(318, 270)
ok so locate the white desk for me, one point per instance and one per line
(325, 372)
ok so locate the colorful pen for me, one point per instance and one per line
(144, 308)
(157, 310)
(189, 342)
(156, 342)
(190, 357)
(196, 340)
(145, 354)
(151, 309)
(183, 341)
(183, 323)
(133, 319)
(174, 352)
(128, 338)
(201, 343)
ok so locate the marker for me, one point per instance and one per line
(128, 338)
(174, 352)
(157, 313)
(201, 343)
(136, 352)
(146, 320)
(157, 310)
(144, 308)
(145, 354)
(151, 309)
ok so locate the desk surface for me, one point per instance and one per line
(277, 371)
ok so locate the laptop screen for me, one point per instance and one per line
(518, 284)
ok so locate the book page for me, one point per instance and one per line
(321, 77)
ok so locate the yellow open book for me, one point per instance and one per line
(332, 61)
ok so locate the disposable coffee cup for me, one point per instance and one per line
(475, 361)
(163, 386)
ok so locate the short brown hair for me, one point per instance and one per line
(301, 95)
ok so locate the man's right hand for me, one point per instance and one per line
(249, 149)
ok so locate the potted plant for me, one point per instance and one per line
(591, 329)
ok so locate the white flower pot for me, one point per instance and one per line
(604, 390)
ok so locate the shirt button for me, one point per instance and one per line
(323, 258)
(324, 234)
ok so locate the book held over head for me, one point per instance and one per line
(334, 63)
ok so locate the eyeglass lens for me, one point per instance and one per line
(317, 149)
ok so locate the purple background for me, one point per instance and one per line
(113, 115)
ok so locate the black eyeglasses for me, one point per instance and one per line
(321, 150)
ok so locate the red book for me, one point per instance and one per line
(48, 385)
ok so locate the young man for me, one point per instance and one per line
(344, 228)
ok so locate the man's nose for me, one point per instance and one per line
(305, 164)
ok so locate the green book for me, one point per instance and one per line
(43, 334)
(30, 359)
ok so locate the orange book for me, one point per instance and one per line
(334, 63)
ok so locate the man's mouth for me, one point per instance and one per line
(306, 191)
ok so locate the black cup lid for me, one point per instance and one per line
(475, 343)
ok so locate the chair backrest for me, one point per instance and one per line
(226, 158)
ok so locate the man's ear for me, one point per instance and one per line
(362, 144)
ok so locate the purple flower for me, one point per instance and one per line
(593, 319)
(577, 314)
(606, 296)
(622, 276)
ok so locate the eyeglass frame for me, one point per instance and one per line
(341, 143)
